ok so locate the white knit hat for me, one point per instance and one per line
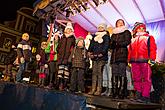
(103, 25)
(69, 25)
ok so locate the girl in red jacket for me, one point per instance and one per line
(141, 50)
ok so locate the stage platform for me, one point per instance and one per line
(107, 103)
(30, 97)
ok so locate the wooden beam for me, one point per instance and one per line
(137, 6)
(100, 14)
(162, 7)
(118, 12)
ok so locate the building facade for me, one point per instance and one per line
(11, 31)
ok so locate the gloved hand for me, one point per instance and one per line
(46, 65)
(129, 64)
(151, 62)
(22, 60)
(100, 55)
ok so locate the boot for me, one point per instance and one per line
(130, 95)
(61, 87)
(39, 82)
(114, 86)
(99, 87)
(138, 96)
(50, 86)
(65, 86)
(109, 93)
(122, 87)
(105, 93)
(145, 100)
(93, 88)
(60, 84)
(98, 92)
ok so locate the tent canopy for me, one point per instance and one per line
(108, 12)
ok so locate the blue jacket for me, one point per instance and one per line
(100, 48)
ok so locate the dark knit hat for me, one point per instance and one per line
(137, 25)
(78, 39)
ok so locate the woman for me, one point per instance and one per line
(120, 39)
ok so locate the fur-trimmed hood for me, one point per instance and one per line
(119, 29)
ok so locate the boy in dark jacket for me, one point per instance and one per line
(78, 60)
(24, 56)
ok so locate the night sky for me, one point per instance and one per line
(8, 8)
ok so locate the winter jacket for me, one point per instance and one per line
(43, 59)
(66, 44)
(78, 57)
(52, 55)
(97, 48)
(119, 43)
(24, 50)
(142, 48)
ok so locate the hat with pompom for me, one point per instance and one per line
(69, 26)
(138, 25)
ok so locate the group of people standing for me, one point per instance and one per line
(66, 59)
(124, 57)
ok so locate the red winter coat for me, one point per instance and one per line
(142, 48)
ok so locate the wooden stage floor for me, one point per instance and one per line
(108, 103)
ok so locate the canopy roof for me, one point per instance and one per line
(108, 12)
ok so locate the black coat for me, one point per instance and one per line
(66, 44)
(119, 43)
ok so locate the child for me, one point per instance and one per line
(24, 56)
(141, 50)
(98, 52)
(107, 75)
(51, 50)
(78, 60)
(66, 44)
(42, 69)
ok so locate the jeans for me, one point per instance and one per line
(21, 71)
